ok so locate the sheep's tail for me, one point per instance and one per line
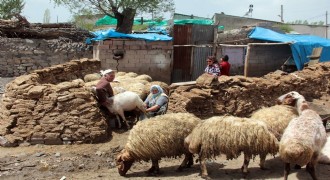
(295, 153)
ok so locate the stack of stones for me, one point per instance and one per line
(52, 106)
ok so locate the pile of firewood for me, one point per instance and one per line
(21, 28)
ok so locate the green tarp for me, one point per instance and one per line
(107, 20)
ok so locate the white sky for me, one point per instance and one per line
(310, 10)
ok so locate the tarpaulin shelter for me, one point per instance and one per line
(301, 45)
(111, 33)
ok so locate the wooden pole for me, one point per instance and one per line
(246, 63)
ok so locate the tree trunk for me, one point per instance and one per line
(125, 20)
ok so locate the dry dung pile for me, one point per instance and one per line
(240, 96)
(51, 106)
(55, 106)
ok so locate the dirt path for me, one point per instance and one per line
(96, 161)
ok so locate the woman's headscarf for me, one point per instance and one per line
(160, 90)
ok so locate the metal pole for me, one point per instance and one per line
(326, 24)
(282, 14)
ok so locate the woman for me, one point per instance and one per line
(212, 66)
(156, 102)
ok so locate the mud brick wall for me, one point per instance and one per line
(140, 56)
(52, 106)
(240, 96)
(21, 56)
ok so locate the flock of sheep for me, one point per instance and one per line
(291, 129)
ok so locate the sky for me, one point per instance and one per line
(312, 11)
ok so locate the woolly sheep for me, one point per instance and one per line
(157, 137)
(125, 101)
(277, 119)
(92, 77)
(304, 137)
(325, 153)
(231, 136)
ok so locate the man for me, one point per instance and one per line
(104, 89)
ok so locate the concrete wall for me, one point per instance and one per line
(262, 58)
(236, 22)
(316, 30)
(21, 56)
(140, 56)
(236, 54)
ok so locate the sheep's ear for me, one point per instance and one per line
(289, 100)
(304, 106)
(125, 156)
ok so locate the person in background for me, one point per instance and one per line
(224, 65)
(212, 66)
(104, 89)
(156, 101)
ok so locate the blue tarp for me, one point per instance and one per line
(111, 33)
(301, 45)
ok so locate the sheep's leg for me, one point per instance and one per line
(262, 162)
(311, 166)
(122, 115)
(245, 165)
(187, 162)
(204, 173)
(154, 168)
(118, 120)
(286, 170)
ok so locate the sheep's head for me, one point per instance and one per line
(293, 98)
(124, 162)
(289, 98)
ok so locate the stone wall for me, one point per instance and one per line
(21, 56)
(140, 56)
(240, 96)
(52, 106)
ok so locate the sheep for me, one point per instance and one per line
(277, 119)
(325, 153)
(231, 136)
(157, 137)
(304, 138)
(125, 101)
(92, 77)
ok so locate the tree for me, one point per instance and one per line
(123, 10)
(46, 16)
(9, 8)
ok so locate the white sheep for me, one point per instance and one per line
(155, 138)
(304, 138)
(277, 119)
(230, 136)
(125, 101)
(325, 153)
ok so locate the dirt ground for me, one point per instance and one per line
(96, 161)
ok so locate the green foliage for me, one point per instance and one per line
(123, 10)
(83, 22)
(305, 22)
(46, 16)
(140, 27)
(106, 7)
(8, 8)
(285, 27)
